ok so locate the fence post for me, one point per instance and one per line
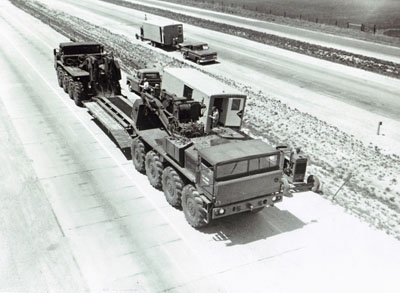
(336, 22)
(316, 20)
(284, 14)
(374, 28)
(348, 24)
(362, 27)
(379, 128)
(300, 16)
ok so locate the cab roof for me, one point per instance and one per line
(148, 70)
(236, 150)
(192, 44)
(162, 22)
(203, 82)
(75, 44)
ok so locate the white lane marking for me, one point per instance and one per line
(120, 166)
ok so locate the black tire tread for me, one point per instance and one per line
(199, 220)
(60, 76)
(79, 93)
(153, 161)
(65, 82)
(138, 146)
(71, 87)
(176, 199)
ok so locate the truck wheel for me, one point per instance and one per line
(79, 93)
(172, 185)
(198, 61)
(184, 56)
(138, 154)
(71, 86)
(65, 82)
(314, 182)
(154, 169)
(193, 207)
(60, 76)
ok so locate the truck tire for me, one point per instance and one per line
(184, 56)
(71, 86)
(193, 207)
(65, 82)
(79, 93)
(138, 155)
(60, 76)
(154, 169)
(198, 60)
(172, 185)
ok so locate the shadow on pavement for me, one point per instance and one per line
(245, 228)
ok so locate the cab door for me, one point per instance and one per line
(234, 112)
(206, 180)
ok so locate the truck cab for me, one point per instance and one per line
(135, 82)
(240, 176)
(70, 53)
(197, 52)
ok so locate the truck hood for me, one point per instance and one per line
(236, 150)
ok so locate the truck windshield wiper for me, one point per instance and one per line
(234, 167)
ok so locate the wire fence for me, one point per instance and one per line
(364, 27)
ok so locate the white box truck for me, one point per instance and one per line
(193, 84)
(161, 32)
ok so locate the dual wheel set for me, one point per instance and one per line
(75, 89)
(178, 192)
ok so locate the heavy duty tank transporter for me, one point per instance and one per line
(211, 170)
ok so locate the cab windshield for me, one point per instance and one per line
(76, 50)
(152, 75)
(200, 47)
(247, 167)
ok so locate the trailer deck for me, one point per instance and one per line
(113, 120)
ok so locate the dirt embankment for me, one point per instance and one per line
(372, 191)
(334, 55)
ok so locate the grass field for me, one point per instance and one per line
(383, 13)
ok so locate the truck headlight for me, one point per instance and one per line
(219, 211)
(276, 198)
